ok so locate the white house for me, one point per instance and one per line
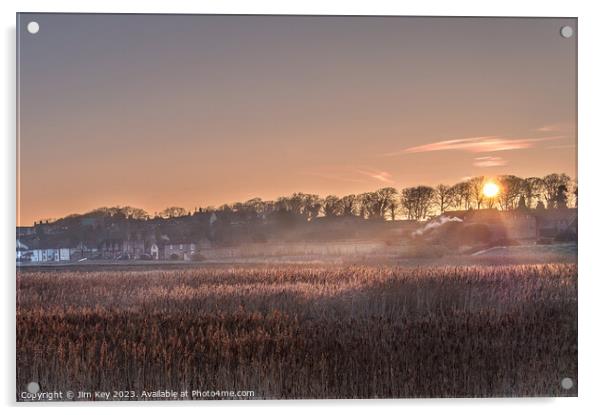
(50, 255)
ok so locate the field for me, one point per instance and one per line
(301, 331)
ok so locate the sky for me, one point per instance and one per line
(182, 110)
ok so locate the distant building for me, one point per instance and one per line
(32, 249)
(50, 255)
(154, 251)
(120, 248)
(43, 255)
(22, 250)
(179, 250)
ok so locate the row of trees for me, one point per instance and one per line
(548, 192)
(415, 203)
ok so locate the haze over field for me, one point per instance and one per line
(152, 111)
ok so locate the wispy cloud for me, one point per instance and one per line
(485, 144)
(352, 174)
(381, 176)
(558, 127)
(489, 161)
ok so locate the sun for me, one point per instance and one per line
(491, 189)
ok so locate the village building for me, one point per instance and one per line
(154, 251)
(25, 254)
(120, 248)
(179, 250)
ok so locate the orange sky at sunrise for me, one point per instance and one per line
(153, 111)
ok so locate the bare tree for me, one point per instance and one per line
(367, 205)
(461, 194)
(376, 205)
(349, 204)
(417, 201)
(126, 211)
(476, 190)
(305, 205)
(297, 203)
(256, 206)
(510, 191)
(393, 206)
(173, 212)
(561, 197)
(312, 205)
(386, 200)
(444, 196)
(550, 185)
(249, 210)
(333, 206)
(531, 190)
(283, 204)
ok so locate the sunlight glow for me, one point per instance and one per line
(491, 189)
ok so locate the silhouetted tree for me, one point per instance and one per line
(306, 206)
(522, 204)
(560, 201)
(550, 185)
(476, 185)
(386, 200)
(367, 205)
(461, 195)
(173, 212)
(417, 201)
(312, 205)
(510, 191)
(349, 204)
(531, 190)
(333, 206)
(444, 196)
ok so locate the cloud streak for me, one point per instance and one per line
(489, 161)
(485, 144)
(362, 174)
(381, 176)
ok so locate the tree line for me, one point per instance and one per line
(414, 203)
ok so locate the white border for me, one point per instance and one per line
(590, 203)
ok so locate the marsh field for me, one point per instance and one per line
(301, 331)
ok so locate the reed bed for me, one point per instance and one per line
(302, 331)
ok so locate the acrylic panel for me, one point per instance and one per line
(295, 207)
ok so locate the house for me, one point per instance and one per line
(22, 250)
(50, 255)
(154, 251)
(48, 248)
(181, 249)
(121, 248)
(43, 255)
(84, 251)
